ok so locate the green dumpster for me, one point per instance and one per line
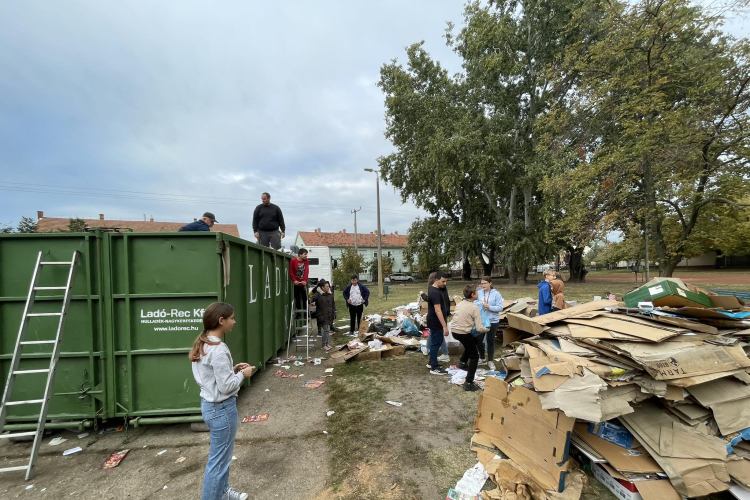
(137, 308)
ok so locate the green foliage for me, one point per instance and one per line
(6, 229)
(654, 129)
(27, 225)
(77, 225)
(386, 262)
(350, 262)
(429, 245)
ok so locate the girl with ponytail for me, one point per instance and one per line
(219, 382)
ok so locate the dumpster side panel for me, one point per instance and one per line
(79, 389)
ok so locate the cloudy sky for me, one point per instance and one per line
(172, 108)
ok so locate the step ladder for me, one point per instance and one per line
(301, 329)
(54, 356)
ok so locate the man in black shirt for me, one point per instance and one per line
(267, 220)
(436, 305)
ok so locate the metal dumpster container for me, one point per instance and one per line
(79, 392)
(137, 307)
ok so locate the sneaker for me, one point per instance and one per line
(470, 386)
(429, 366)
(230, 494)
(462, 366)
(482, 362)
(445, 358)
(491, 365)
(438, 371)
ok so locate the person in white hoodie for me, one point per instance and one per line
(219, 384)
(491, 301)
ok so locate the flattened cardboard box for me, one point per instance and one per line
(538, 324)
(512, 418)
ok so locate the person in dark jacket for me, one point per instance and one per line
(267, 221)
(325, 311)
(357, 297)
(205, 224)
(544, 305)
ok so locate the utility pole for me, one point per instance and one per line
(380, 232)
(356, 246)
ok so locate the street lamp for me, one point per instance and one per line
(380, 250)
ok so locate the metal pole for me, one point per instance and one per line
(380, 248)
(356, 245)
(646, 231)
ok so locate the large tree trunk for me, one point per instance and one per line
(466, 272)
(667, 266)
(511, 265)
(523, 274)
(577, 267)
(487, 266)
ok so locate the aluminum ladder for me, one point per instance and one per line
(55, 355)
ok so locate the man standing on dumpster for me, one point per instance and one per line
(205, 224)
(436, 304)
(267, 220)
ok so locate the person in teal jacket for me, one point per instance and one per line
(544, 305)
(491, 302)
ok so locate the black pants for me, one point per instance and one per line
(490, 339)
(355, 316)
(471, 353)
(269, 238)
(480, 344)
(300, 297)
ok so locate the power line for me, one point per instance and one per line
(152, 196)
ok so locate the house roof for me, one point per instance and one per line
(343, 239)
(54, 224)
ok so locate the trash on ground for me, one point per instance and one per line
(72, 451)
(162, 452)
(472, 481)
(313, 384)
(267, 390)
(394, 403)
(255, 418)
(180, 460)
(29, 486)
(83, 435)
(56, 441)
(114, 459)
(234, 458)
(329, 413)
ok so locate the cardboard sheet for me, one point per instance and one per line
(626, 327)
(657, 490)
(691, 477)
(538, 324)
(577, 397)
(620, 458)
(740, 472)
(732, 416)
(719, 391)
(679, 359)
(509, 415)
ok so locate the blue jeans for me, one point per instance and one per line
(221, 419)
(444, 346)
(436, 340)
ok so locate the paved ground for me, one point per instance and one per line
(286, 457)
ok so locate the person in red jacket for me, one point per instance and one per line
(299, 269)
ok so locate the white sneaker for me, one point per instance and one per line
(444, 358)
(491, 364)
(230, 494)
(482, 362)
(429, 366)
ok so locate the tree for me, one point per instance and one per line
(6, 229)
(27, 225)
(387, 263)
(77, 225)
(465, 145)
(350, 262)
(657, 120)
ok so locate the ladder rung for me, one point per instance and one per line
(56, 263)
(39, 315)
(27, 402)
(38, 342)
(9, 469)
(50, 288)
(17, 434)
(25, 372)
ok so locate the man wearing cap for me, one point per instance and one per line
(205, 224)
(267, 221)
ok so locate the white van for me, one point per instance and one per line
(321, 265)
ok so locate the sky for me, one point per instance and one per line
(170, 109)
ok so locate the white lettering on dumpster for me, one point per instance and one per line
(267, 291)
(278, 281)
(172, 317)
(252, 299)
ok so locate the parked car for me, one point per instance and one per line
(400, 277)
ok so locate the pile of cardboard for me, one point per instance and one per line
(669, 388)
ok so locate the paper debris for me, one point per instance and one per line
(313, 384)
(325, 432)
(72, 451)
(394, 403)
(179, 460)
(329, 413)
(29, 486)
(267, 390)
(83, 435)
(255, 418)
(56, 441)
(234, 458)
(329, 370)
(114, 459)
(162, 452)
(473, 480)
